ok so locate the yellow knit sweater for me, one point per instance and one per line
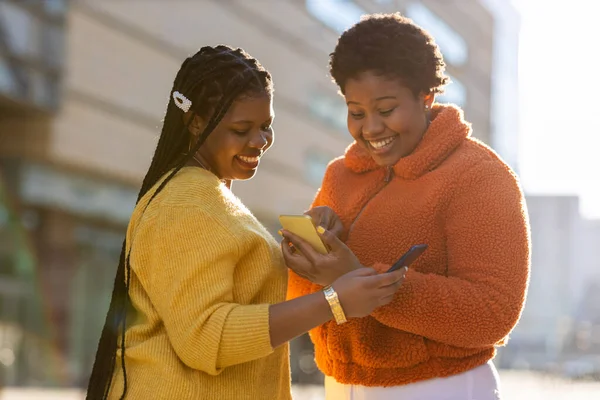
(203, 273)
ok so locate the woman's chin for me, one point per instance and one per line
(244, 176)
(385, 160)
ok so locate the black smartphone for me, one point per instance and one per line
(409, 257)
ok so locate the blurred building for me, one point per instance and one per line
(504, 116)
(32, 59)
(83, 90)
(562, 295)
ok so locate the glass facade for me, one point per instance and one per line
(338, 15)
(451, 43)
(316, 164)
(61, 250)
(32, 41)
(331, 110)
(25, 340)
(97, 253)
(455, 93)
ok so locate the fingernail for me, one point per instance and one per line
(321, 230)
(405, 269)
(280, 232)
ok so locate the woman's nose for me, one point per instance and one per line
(260, 140)
(372, 127)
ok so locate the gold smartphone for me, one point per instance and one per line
(303, 226)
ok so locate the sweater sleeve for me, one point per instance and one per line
(480, 300)
(191, 287)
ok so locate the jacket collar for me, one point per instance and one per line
(445, 133)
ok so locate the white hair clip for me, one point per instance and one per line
(182, 102)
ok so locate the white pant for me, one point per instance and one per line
(481, 383)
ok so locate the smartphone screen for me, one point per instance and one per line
(409, 257)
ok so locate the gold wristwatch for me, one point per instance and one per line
(334, 303)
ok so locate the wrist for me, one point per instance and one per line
(334, 304)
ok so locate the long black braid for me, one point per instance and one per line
(212, 79)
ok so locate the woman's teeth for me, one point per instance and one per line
(382, 143)
(249, 160)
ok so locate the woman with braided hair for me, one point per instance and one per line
(198, 309)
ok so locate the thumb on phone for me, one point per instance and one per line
(330, 239)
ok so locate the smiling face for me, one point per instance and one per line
(385, 117)
(233, 150)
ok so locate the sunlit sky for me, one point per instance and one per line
(559, 82)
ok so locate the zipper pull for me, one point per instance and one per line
(388, 174)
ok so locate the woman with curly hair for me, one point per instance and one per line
(415, 175)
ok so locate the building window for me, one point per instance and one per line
(44, 89)
(338, 15)
(98, 252)
(7, 78)
(455, 93)
(35, 42)
(453, 46)
(48, 187)
(25, 357)
(21, 28)
(329, 109)
(55, 7)
(316, 165)
(54, 43)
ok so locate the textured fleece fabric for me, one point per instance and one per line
(465, 294)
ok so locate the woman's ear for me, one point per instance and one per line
(428, 100)
(197, 125)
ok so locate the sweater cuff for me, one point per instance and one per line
(247, 334)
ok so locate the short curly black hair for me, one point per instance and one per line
(391, 45)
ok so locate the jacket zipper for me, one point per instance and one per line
(388, 178)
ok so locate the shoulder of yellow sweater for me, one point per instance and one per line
(197, 189)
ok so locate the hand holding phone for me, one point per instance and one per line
(322, 261)
(409, 257)
(327, 218)
(303, 227)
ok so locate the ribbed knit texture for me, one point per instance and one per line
(203, 273)
(465, 294)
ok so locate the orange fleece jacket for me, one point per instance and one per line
(465, 294)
